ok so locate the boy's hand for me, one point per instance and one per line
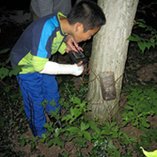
(71, 44)
(79, 64)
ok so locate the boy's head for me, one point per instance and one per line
(87, 18)
(88, 13)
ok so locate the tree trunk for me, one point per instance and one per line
(109, 53)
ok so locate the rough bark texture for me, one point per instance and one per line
(109, 53)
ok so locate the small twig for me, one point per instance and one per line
(2, 82)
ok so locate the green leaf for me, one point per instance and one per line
(57, 132)
(43, 135)
(55, 141)
(155, 103)
(94, 126)
(15, 71)
(131, 38)
(76, 100)
(111, 145)
(107, 124)
(66, 118)
(87, 135)
(73, 129)
(23, 142)
(72, 111)
(80, 133)
(131, 102)
(113, 124)
(8, 60)
(46, 125)
(77, 112)
(141, 46)
(155, 111)
(4, 51)
(133, 139)
(106, 131)
(116, 129)
(126, 136)
(152, 40)
(80, 141)
(84, 126)
(3, 72)
(142, 25)
(128, 108)
(50, 143)
(144, 123)
(115, 135)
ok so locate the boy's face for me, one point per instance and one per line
(80, 35)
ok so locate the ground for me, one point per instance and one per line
(145, 73)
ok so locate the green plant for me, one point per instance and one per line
(81, 132)
(78, 129)
(145, 35)
(76, 111)
(6, 70)
(142, 102)
(149, 136)
(12, 117)
(105, 137)
(145, 41)
(11, 107)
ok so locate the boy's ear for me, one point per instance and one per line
(78, 26)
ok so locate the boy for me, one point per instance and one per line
(39, 41)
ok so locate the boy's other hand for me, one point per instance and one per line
(71, 44)
(80, 64)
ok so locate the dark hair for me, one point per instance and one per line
(88, 13)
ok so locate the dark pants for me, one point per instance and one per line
(36, 88)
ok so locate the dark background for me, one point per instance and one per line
(15, 4)
(24, 5)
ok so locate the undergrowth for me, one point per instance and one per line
(106, 140)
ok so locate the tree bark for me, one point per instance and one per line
(109, 53)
